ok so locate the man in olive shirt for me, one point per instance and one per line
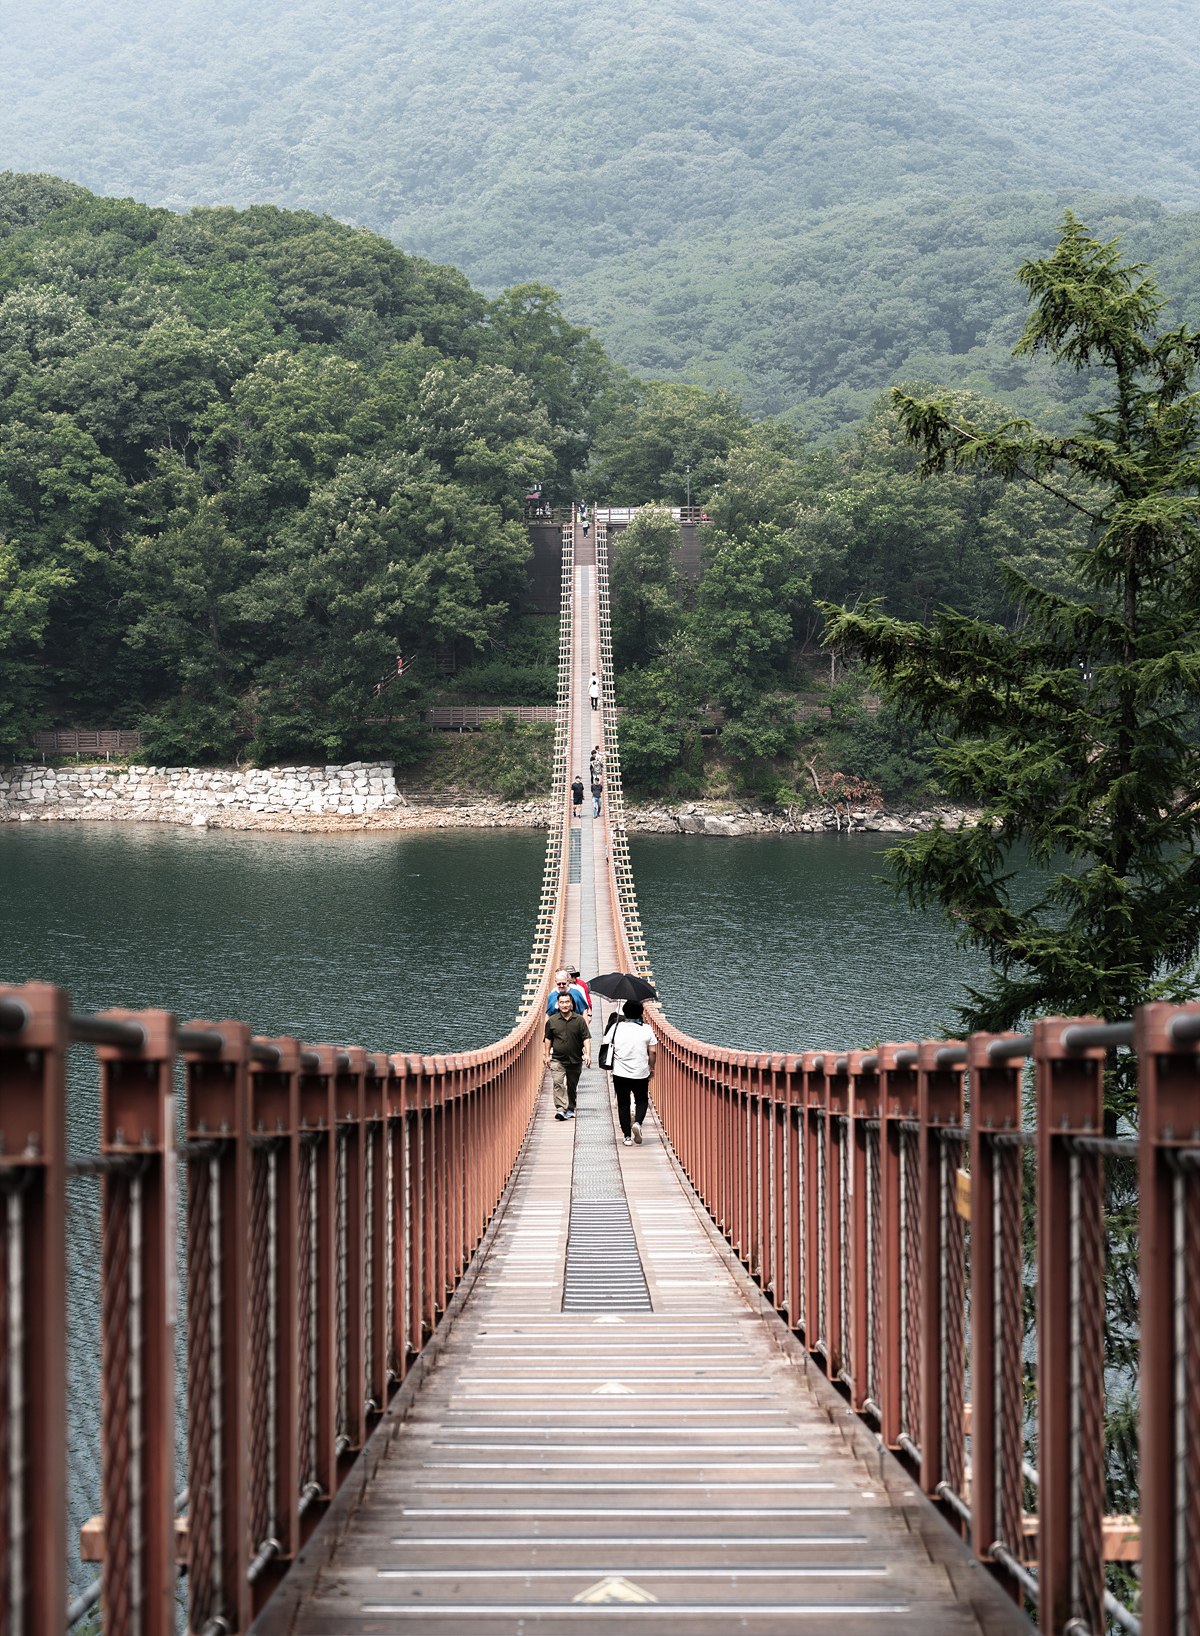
(566, 1051)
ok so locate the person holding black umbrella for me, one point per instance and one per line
(634, 1050)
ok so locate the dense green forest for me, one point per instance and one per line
(799, 202)
(814, 317)
(250, 460)
(793, 527)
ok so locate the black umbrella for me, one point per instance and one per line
(623, 985)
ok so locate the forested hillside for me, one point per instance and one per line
(249, 460)
(760, 196)
(812, 319)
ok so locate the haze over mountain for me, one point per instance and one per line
(668, 166)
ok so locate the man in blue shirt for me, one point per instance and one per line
(564, 985)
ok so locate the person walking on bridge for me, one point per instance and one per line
(577, 797)
(578, 982)
(594, 691)
(597, 790)
(579, 992)
(634, 1050)
(566, 1051)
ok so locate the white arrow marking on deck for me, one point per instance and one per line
(614, 1590)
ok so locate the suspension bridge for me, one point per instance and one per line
(452, 1364)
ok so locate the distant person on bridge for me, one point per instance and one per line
(597, 790)
(594, 691)
(578, 982)
(566, 1051)
(577, 797)
(579, 992)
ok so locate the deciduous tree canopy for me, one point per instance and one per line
(249, 458)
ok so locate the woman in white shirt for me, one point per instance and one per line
(634, 1050)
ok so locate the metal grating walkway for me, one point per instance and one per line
(604, 1270)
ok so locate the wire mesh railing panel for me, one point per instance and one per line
(952, 1327)
(874, 1265)
(911, 1339)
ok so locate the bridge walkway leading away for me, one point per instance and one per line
(613, 1429)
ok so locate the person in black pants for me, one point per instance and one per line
(634, 1050)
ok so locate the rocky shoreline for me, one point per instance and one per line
(720, 818)
(363, 795)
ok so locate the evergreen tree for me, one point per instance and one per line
(1075, 733)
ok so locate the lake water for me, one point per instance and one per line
(420, 942)
(790, 943)
(395, 942)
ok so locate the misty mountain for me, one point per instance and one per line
(706, 182)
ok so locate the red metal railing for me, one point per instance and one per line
(332, 1201)
(866, 1203)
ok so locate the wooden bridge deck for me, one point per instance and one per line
(661, 1463)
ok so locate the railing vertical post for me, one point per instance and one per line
(351, 1182)
(997, 1329)
(712, 1073)
(779, 1220)
(794, 1226)
(457, 1158)
(765, 1187)
(218, 1231)
(865, 1247)
(33, 1314)
(379, 1280)
(139, 1295)
(815, 1198)
(741, 1157)
(275, 1339)
(435, 1192)
(837, 1223)
(943, 1343)
(468, 1106)
(318, 1280)
(1169, 1272)
(400, 1226)
(419, 1093)
(753, 1214)
(898, 1106)
(697, 1078)
(1070, 1317)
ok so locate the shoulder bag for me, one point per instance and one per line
(608, 1045)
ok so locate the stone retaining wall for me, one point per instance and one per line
(198, 795)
